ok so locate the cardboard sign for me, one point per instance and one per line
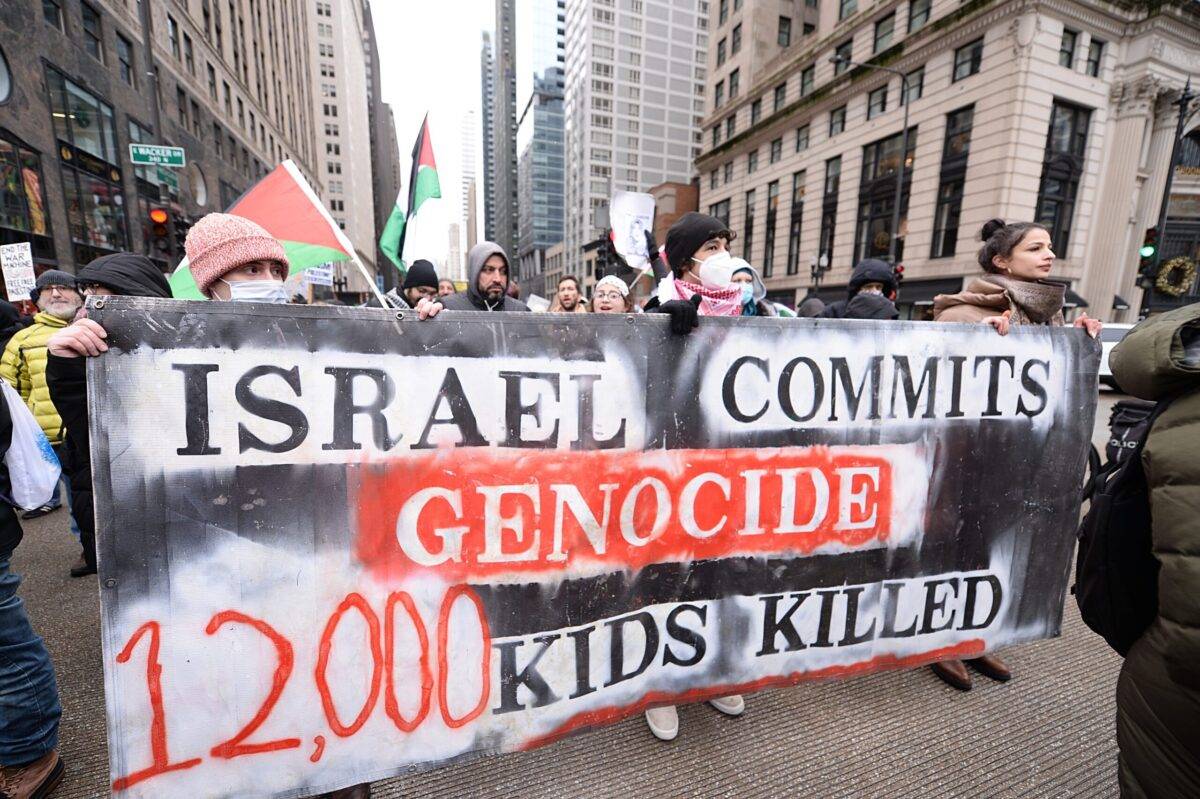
(16, 260)
(319, 276)
(357, 544)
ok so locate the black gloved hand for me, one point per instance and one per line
(656, 260)
(684, 314)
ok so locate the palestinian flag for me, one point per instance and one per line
(423, 185)
(287, 207)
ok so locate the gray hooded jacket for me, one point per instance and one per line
(472, 299)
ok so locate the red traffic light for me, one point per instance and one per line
(158, 216)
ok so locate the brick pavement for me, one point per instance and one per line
(1048, 733)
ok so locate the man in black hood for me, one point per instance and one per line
(487, 289)
(870, 294)
(124, 274)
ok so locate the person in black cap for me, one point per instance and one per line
(122, 273)
(700, 282)
(871, 294)
(421, 281)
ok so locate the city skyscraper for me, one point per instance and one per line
(488, 134)
(634, 100)
(504, 127)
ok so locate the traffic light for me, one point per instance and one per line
(898, 271)
(160, 233)
(182, 225)
(1148, 253)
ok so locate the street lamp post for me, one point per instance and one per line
(903, 146)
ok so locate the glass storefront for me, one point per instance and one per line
(88, 156)
(23, 215)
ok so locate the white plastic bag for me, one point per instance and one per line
(33, 468)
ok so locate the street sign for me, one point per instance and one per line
(155, 154)
(17, 263)
(166, 176)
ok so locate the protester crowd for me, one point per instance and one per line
(233, 259)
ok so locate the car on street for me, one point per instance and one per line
(1110, 336)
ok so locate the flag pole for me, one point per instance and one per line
(290, 166)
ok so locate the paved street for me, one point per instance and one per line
(1048, 733)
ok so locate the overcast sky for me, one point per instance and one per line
(429, 62)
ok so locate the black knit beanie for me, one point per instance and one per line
(689, 233)
(421, 273)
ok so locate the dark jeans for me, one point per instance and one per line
(29, 708)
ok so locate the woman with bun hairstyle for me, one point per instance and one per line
(1016, 259)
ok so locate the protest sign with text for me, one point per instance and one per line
(337, 544)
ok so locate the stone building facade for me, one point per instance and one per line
(1051, 110)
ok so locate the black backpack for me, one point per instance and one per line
(1116, 573)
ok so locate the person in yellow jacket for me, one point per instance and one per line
(24, 362)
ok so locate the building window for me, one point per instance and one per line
(769, 237)
(955, 150)
(723, 12)
(843, 54)
(719, 94)
(84, 127)
(809, 28)
(1062, 166)
(712, 179)
(795, 218)
(777, 150)
(755, 112)
(837, 121)
(802, 138)
(967, 59)
(730, 126)
(189, 55)
(716, 136)
(877, 102)
(846, 8)
(780, 96)
(807, 79)
(752, 162)
(884, 31)
(918, 13)
(734, 84)
(218, 139)
(720, 211)
(181, 107)
(833, 181)
(1095, 54)
(23, 215)
(785, 32)
(125, 61)
(196, 122)
(52, 13)
(728, 170)
(720, 52)
(1066, 50)
(735, 40)
(877, 196)
(748, 226)
(913, 85)
(93, 34)
(173, 35)
(212, 82)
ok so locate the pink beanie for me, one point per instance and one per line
(220, 243)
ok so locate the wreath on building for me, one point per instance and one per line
(1176, 276)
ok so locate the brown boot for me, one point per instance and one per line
(991, 666)
(34, 780)
(953, 673)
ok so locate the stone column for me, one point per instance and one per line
(1112, 260)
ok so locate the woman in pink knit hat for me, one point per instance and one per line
(232, 258)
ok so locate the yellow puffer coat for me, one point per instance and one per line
(24, 367)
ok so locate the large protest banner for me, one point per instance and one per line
(337, 544)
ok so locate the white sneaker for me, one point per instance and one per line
(663, 722)
(732, 705)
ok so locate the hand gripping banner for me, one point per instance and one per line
(338, 544)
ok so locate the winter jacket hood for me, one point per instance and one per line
(871, 270)
(761, 306)
(127, 274)
(472, 299)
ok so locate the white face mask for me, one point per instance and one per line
(716, 271)
(272, 291)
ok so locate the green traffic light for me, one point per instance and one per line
(1147, 250)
